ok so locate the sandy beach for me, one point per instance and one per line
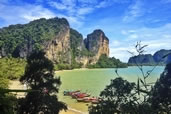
(72, 111)
(71, 70)
(69, 112)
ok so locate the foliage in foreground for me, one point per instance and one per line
(107, 62)
(161, 93)
(116, 97)
(39, 75)
(8, 103)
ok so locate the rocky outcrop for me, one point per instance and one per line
(97, 44)
(76, 41)
(146, 59)
(161, 57)
(58, 49)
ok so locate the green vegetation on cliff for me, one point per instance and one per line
(32, 35)
(107, 62)
(77, 44)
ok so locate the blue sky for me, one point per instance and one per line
(124, 21)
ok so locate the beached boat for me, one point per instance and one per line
(93, 100)
(69, 93)
(81, 95)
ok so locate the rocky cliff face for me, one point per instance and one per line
(78, 48)
(98, 44)
(58, 49)
(76, 41)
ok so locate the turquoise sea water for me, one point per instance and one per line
(94, 80)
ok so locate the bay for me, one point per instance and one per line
(94, 81)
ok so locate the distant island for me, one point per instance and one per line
(62, 44)
(161, 57)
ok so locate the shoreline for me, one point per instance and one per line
(72, 111)
(77, 69)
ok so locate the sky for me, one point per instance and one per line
(124, 22)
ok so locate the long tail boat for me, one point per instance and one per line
(93, 100)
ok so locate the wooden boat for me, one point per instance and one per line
(95, 101)
(69, 93)
(79, 95)
(88, 100)
(80, 100)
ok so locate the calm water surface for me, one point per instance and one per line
(95, 80)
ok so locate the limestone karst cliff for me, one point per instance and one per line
(98, 44)
(58, 49)
(62, 44)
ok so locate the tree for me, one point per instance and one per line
(116, 98)
(8, 103)
(39, 75)
(161, 92)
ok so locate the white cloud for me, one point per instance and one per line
(106, 3)
(155, 45)
(37, 12)
(127, 32)
(102, 4)
(135, 10)
(59, 6)
(132, 37)
(121, 53)
(114, 43)
(23, 14)
(72, 9)
(73, 12)
(86, 10)
(124, 32)
(132, 31)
